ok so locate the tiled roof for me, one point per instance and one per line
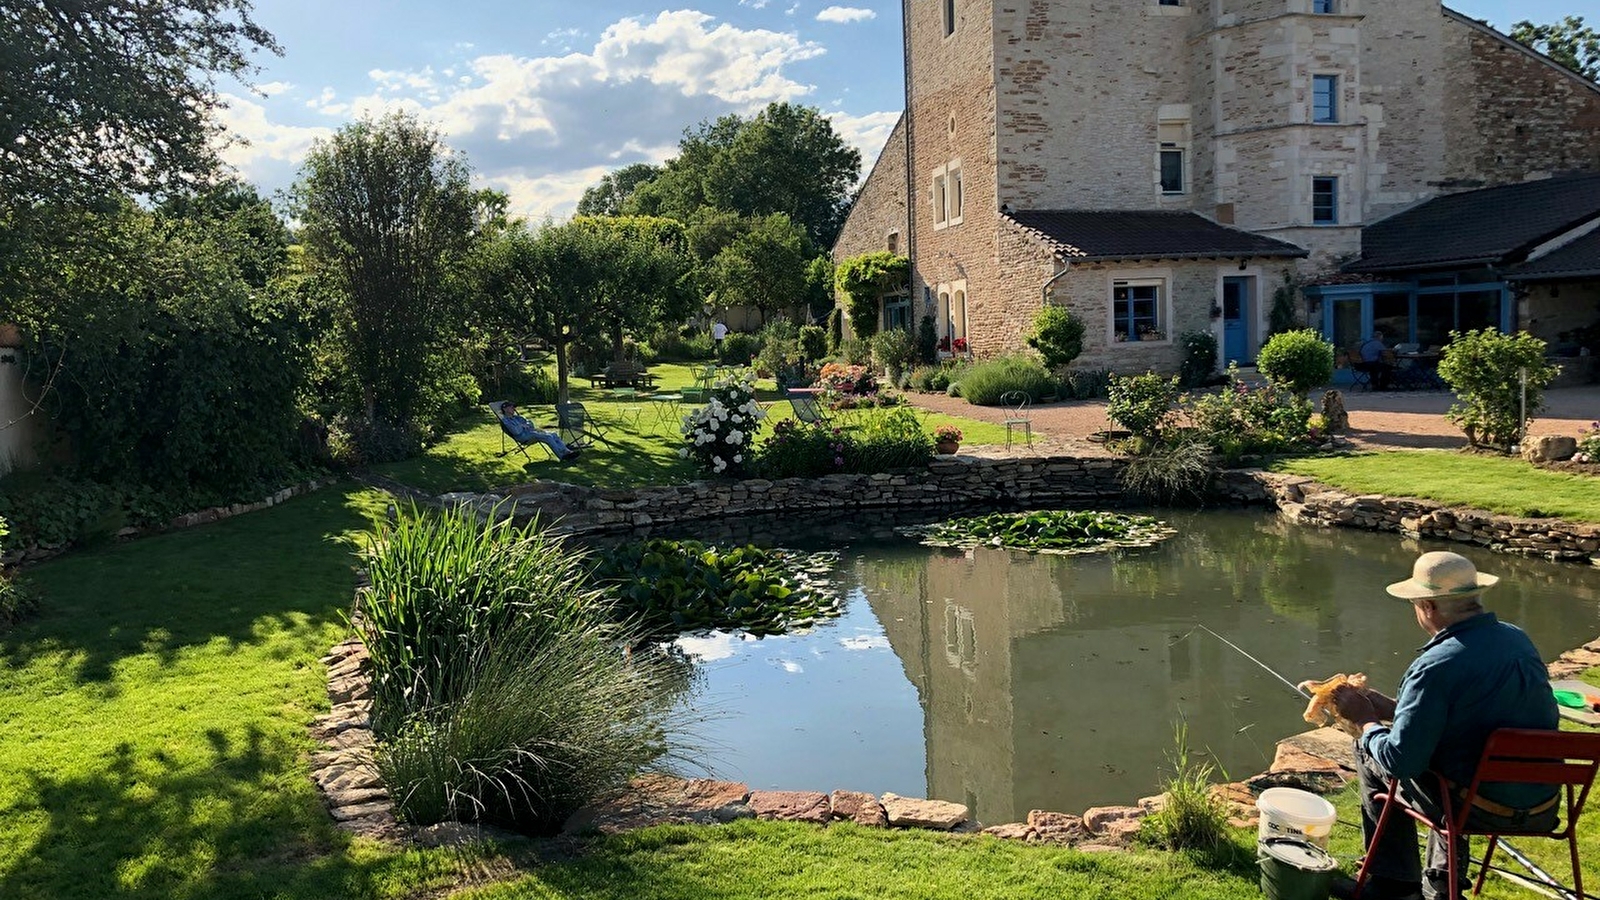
(1492, 226)
(1099, 234)
(1579, 258)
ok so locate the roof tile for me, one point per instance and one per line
(1102, 234)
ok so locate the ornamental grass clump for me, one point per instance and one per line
(1191, 818)
(501, 690)
(719, 436)
(985, 383)
(1174, 471)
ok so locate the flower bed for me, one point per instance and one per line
(1047, 531)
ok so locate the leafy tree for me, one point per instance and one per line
(387, 211)
(1569, 42)
(102, 97)
(242, 220)
(648, 279)
(819, 287)
(611, 194)
(1485, 370)
(764, 268)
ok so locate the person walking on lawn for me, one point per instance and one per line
(524, 432)
(1475, 674)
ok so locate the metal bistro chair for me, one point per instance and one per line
(1516, 756)
(1016, 404)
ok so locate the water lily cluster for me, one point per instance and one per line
(719, 436)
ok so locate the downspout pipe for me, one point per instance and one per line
(1044, 289)
(911, 177)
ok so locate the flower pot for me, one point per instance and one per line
(947, 447)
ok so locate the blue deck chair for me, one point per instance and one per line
(516, 446)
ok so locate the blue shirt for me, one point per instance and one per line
(1473, 677)
(1372, 350)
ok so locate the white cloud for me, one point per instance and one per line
(263, 151)
(865, 642)
(845, 14)
(543, 128)
(274, 88)
(755, 4)
(867, 133)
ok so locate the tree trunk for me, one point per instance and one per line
(561, 373)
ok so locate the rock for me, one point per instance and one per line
(1016, 831)
(858, 807)
(1098, 819)
(906, 812)
(1039, 818)
(356, 796)
(709, 800)
(1121, 832)
(1334, 412)
(360, 810)
(1153, 804)
(1325, 743)
(1549, 448)
(791, 806)
(1056, 828)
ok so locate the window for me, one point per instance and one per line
(892, 242)
(1322, 7)
(1136, 310)
(941, 207)
(897, 313)
(1325, 201)
(1324, 98)
(949, 17)
(1171, 2)
(1174, 137)
(954, 199)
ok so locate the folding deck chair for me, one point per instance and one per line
(573, 419)
(505, 433)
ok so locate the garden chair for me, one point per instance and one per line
(807, 410)
(572, 418)
(1016, 404)
(1515, 756)
(505, 434)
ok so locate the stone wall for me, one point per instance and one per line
(877, 221)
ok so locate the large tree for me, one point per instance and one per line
(763, 267)
(609, 197)
(100, 97)
(1569, 42)
(387, 212)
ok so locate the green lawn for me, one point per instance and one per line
(646, 450)
(1494, 483)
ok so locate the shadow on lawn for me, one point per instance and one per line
(285, 572)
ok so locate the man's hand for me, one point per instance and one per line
(1382, 705)
(1356, 705)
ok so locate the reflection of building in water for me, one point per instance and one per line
(1054, 682)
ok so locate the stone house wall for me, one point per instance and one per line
(1551, 308)
(1192, 288)
(877, 221)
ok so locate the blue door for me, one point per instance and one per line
(1236, 305)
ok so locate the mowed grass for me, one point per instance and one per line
(1497, 484)
(765, 860)
(646, 436)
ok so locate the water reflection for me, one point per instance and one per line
(1009, 681)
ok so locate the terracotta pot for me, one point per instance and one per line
(10, 336)
(947, 447)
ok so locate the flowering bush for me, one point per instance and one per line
(718, 436)
(876, 399)
(947, 434)
(1589, 444)
(961, 345)
(881, 443)
(1240, 420)
(802, 450)
(845, 379)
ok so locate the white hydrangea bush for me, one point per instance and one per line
(720, 436)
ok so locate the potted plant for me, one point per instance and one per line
(960, 345)
(947, 439)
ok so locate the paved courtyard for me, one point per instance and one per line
(1377, 420)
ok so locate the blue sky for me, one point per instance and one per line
(546, 96)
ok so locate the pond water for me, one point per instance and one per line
(1009, 681)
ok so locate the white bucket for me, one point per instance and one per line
(1292, 813)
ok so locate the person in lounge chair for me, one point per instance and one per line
(524, 432)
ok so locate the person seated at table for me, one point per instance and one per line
(1373, 362)
(523, 432)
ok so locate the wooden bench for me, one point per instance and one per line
(625, 373)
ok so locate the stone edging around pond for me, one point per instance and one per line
(39, 553)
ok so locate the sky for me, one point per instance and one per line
(545, 96)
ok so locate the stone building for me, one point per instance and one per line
(1163, 166)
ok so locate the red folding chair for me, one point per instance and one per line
(1512, 755)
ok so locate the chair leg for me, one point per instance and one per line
(1483, 869)
(1365, 873)
(1572, 844)
(1452, 864)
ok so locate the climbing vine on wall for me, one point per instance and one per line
(864, 279)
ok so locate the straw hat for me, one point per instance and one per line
(1442, 574)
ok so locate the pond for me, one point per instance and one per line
(1010, 682)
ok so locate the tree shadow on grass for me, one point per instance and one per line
(238, 819)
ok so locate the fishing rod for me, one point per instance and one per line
(1269, 670)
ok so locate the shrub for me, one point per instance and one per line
(843, 379)
(1086, 384)
(1142, 404)
(985, 383)
(1297, 360)
(738, 349)
(355, 442)
(1057, 335)
(523, 383)
(1240, 421)
(780, 355)
(15, 603)
(1589, 444)
(835, 329)
(894, 440)
(893, 350)
(813, 343)
(1191, 819)
(1484, 368)
(720, 435)
(1169, 472)
(669, 587)
(927, 341)
(855, 352)
(935, 379)
(540, 730)
(679, 343)
(797, 450)
(1199, 357)
(444, 587)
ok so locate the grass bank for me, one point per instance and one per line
(1497, 484)
(646, 437)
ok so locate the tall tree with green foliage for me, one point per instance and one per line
(386, 212)
(1569, 42)
(764, 268)
(103, 97)
(609, 197)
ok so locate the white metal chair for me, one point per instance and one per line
(1016, 404)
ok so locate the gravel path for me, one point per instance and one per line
(1377, 420)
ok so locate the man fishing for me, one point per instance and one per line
(1475, 674)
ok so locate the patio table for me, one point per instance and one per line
(667, 407)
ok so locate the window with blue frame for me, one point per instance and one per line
(1325, 98)
(1322, 7)
(1325, 200)
(1136, 310)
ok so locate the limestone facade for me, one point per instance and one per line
(1055, 104)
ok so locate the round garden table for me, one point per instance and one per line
(667, 407)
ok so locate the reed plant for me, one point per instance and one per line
(1191, 818)
(1169, 471)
